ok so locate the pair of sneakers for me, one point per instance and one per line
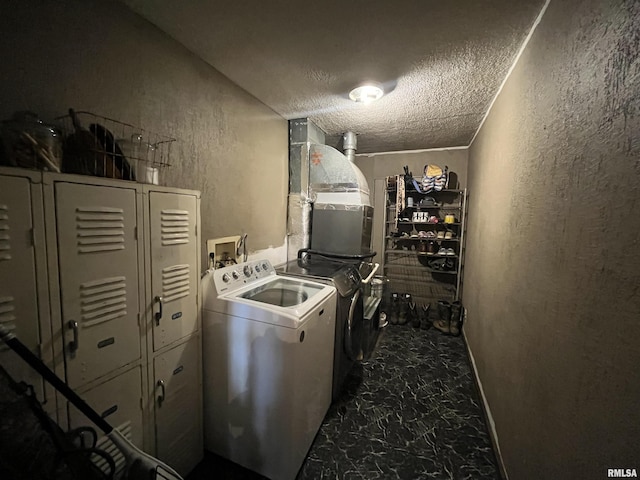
(446, 251)
(430, 234)
(442, 264)
(445, 235)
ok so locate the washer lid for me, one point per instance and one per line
(282, 292)
(283, 301)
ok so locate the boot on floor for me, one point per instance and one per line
(444, 312)
(395, 308)
(456, 318)
(425, 324)
(414, 317)
(404, 308)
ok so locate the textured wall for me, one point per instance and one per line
(552, 280)
(101, 57)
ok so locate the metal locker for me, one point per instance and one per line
(18, 281)
(174, 266)
(98, 263)
(118, 401)
(178, 406)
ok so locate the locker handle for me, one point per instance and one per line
(73, 344)
(159, 312)
(162, 395)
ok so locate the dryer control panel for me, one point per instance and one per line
(233, 277)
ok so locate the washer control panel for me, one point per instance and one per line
(234, 277)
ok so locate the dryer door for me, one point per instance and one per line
(354, 328)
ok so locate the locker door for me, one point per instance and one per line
(178, 406)
(119, 402)
(97, 251)
(18, 304)
(174, 266)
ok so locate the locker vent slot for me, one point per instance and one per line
(175, 282)
(100, 229)
(7, 317)
(103, 300)
(174, 226)
(108, 446)
(5, 246)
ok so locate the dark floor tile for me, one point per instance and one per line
(352, 457)
(409, 412)
(214, 467)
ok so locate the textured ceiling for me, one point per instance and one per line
(441, 61)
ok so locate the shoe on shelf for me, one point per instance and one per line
(442, 251)
(428, 202)
(433, 219)
(432, 248)
(422, 248)
(440, 234)
(449, 235)
(438, 264)
(450, 251)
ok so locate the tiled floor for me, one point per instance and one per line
(410, 412)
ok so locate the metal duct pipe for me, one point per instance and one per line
(350, 145)
(302, 132)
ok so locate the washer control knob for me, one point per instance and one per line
(226, 278)
(264, 267)
(257, 268)
(247, 270)
(235, 275)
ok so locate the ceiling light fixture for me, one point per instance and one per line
(366, 93)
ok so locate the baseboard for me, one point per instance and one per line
(488, 417)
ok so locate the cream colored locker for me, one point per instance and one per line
(23, 277)
(173, 266)
(98, 269)
(178, 406)
(119, 402)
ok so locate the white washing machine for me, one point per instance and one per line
(268, 366)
